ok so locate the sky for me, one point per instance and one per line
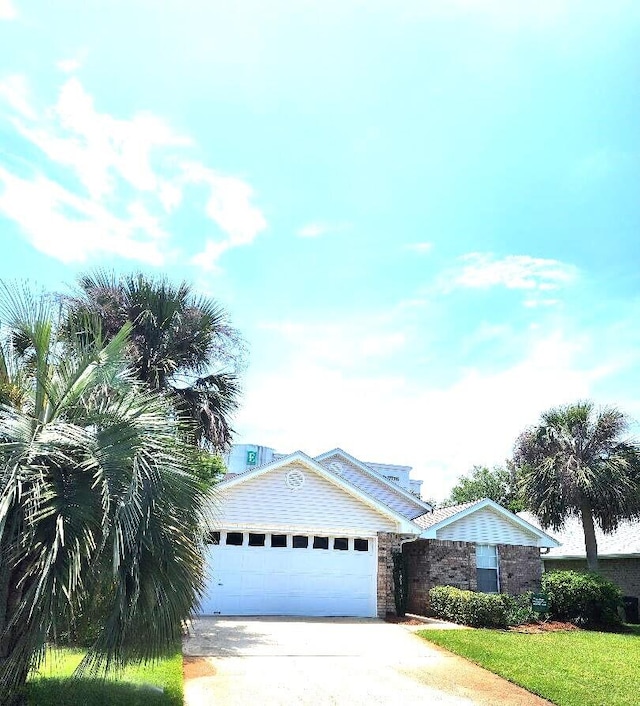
(424, 217)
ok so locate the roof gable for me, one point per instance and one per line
(373, 483)
(299, 457)
(436, 525)
(623, 542)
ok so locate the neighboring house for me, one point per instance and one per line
(316, 536)
(618, 552)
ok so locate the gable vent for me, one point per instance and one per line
(295, 479)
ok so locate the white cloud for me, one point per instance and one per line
(483, 270)
(72, 63)
(352, 343)
(7, 10)
(71, 228)
(442, 430)
(419, 247)
(568, 16)
(98, 146)
(135, 166)
(68, 66)
(15, 91)
(534, 303)
(318, 228)
(229, 206)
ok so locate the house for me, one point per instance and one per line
(618, 552)
(298, 535)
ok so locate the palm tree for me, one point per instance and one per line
(95, 488)
(578, 461)
(180, 343)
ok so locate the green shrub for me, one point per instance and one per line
(584, 598)
(519, 609)
(497, 610)
(469, 608)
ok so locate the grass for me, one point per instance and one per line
(573, 668)
(137, 685)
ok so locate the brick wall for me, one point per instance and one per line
(434, 562)
(623, 572)
(388, 543)
(520, 568)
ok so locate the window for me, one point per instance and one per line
(341, 543)
(361, 545)
(487, 568)
(213, 538)
(300, 541)
(256, 540)
(321, 542)
(278, 540)
(235, 538)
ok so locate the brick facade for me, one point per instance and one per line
(433, 562)
(623, 572)
(388, 543)
(520, 568)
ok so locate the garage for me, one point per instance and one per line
(273, 573)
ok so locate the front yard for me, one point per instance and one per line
(574, 668)
(139, 685)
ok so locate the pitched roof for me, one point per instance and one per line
(442, 513)
(625, 541)
(416, 502)
(432, 522)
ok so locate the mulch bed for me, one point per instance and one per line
(406, 620)
(550, 626)
(195, 667)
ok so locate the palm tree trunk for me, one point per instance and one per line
(590, 543)
(12, 685)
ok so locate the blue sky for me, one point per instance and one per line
(424, 217)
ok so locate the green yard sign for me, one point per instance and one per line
(252, 458)
(540, 603)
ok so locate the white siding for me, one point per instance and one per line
(487, 527)
(267, 502)
(375, 488)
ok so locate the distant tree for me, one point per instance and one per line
(210, 468)
(497, 483)
(579, 461)
(181, 344)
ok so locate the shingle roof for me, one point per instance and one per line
(432, 518)
(624, 541)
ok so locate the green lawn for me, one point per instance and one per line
(574, 668)
(52, 685)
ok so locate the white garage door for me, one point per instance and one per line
(278, 574)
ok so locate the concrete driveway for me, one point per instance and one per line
(340, 661)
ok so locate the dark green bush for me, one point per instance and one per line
(584, 598)
(491, 610)
(469, 608)
(519, 609)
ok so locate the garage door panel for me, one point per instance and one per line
(248, 580)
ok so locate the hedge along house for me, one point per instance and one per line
(317, 536)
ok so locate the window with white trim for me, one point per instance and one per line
(487, 568)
